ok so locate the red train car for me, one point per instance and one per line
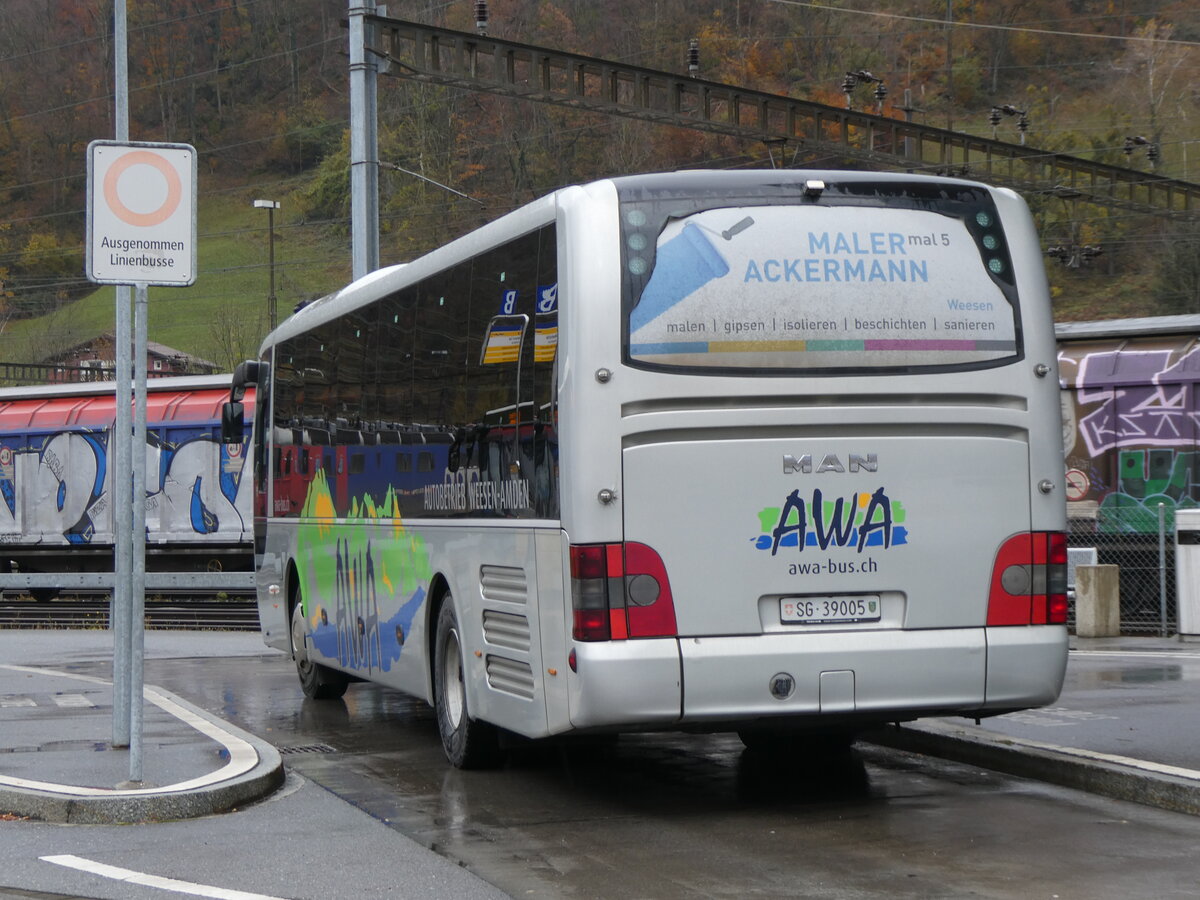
(56, 479)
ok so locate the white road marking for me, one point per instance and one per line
(1143, 765)
(1139, 654)
(154, 881)
(73, 701)
(242, 756)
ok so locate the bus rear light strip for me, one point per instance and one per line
(620, 591)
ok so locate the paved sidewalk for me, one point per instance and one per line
(1127, 726)
(57, 762)
(144, 841)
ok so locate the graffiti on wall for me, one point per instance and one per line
(61, 490)
(1131, 419)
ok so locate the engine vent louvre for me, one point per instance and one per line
(506, 630)
(510, 676)
(503, 583)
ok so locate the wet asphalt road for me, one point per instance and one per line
(1142, 704)
(695, 816)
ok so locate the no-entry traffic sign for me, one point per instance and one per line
(141, 213)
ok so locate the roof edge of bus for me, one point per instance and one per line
(77, 388)
(373, 283)
(797, 175)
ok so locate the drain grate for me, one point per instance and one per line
(306, 748)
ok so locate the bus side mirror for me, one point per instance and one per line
(245, 373)
(233, 423)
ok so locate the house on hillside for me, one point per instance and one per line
(95, 360)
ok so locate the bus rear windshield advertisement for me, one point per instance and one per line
(819, 287)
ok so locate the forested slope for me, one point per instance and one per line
(260, 88)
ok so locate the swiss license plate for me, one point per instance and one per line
(827, 610)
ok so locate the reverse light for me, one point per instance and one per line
(620, 591)
(1029, 580)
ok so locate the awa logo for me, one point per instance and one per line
(857, 521)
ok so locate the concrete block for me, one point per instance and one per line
(1098, 601)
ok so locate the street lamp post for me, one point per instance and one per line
(270, 206)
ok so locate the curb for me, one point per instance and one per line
(1120, 778)
(251, 781)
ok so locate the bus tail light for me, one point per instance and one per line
(1029, 580)
(620, 591)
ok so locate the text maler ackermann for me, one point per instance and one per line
(158, 261)
(838, 256)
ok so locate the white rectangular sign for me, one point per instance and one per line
(141, 213)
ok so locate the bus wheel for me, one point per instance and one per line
(469, 743)
(317, 681)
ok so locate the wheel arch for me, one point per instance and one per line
(439, 590)
(293, 596)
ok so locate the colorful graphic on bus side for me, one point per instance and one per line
(357, 573)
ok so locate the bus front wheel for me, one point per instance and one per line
(469, 743)
(317, 681)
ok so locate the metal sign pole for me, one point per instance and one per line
(122, 525)
(364, 150)
(137, 604)
(141, 230)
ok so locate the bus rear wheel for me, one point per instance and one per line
(317, 681)
(469, 743)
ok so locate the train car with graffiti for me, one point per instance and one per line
(1131, 433)
(57, 459)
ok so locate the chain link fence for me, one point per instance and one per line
(1140, 539)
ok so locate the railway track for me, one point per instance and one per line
(93, 612)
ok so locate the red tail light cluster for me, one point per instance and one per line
(1029, 580)
(620, 591)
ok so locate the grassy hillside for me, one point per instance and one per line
(223, 315)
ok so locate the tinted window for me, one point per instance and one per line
(457, 370)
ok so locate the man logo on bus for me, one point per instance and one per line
(860, 520)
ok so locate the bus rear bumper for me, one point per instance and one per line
(1026, 666)
(851, 675)
(626, 683)
(887, 673)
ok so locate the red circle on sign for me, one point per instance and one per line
(123, 212)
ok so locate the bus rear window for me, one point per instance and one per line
(819, 288)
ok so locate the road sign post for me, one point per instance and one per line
(141, 230)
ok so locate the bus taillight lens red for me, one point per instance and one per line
(620, 591)
(1029, 580)
(589, 592)
(648, 601)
